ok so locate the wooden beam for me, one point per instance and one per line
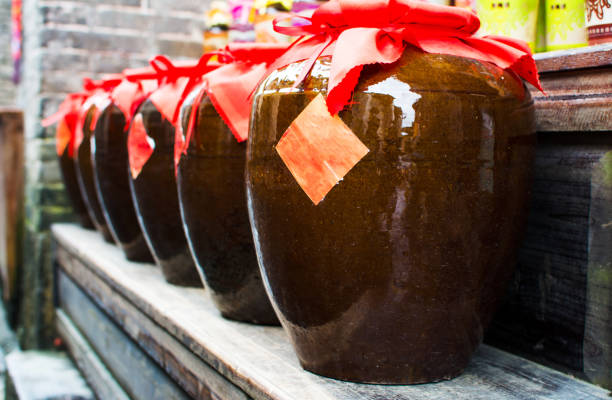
(11, 196)
(93, 369)
(260, 360)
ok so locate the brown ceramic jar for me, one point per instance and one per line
(85, 177)
(156, 201)
(213, 208)
(67, 168)
(394, 276)
(111, 174)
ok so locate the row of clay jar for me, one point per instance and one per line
(376, 207)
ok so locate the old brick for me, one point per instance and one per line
(50, 194)
(180, 48)
(65, 61)
(67, 13)
(131, 3)
(111, 62)
(124, 18)
(53, 38)
(198, 7)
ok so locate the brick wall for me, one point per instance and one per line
(65, 41)
(7, 89)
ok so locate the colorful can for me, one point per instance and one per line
(565, 26)
(514, 18)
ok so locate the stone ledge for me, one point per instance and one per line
(38, 375)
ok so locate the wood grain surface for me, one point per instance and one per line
(11, 196)
(260, 360)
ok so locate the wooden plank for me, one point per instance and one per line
(137, 374)
(575, 100)
(598, 324)
(11, 196)
(544, 311)
(197, 378)
(260, 360)
(100, 380)
(579, 58)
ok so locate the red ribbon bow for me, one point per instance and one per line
(358, 33)
(175, 81)
(99, 94)
(229, 87)
(68, 116)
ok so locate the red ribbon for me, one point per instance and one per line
(175, 81)
(68, 116)
(70, 113)
(229, 86)
(137, 85)
(99, 95)
(358, 33)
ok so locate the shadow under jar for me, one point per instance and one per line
(156, 201)
(393, 277)
(214, 212)
(69, 176)
(111, 173)
(85, 178)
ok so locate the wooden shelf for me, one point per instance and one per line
(208, 356)
(578, 85)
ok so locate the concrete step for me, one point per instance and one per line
(44, 375)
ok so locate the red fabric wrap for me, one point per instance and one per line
(358, 33)
(71, 112)
(175, 80)
(132, 90)
(229, 87)
(68, 116)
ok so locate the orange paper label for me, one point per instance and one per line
(319, 149)
(139, 147)
(63, 137)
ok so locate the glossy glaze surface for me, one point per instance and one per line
(111, 174)
(213, 207)
(393, 277)
(156, 201)
(67, 168)
(85, 178)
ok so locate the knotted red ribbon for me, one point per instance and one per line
(356, 33)
(98, 96)
(229, 86)
(137, 85)
(68, 116)
(175, 80)
(70, 113)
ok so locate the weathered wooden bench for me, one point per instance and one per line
(134, 336)
(161, 341)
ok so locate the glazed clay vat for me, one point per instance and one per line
(85, 177)
(395, 275)
(69, 177)
(111, 173)
(213, 208)
(156, 200)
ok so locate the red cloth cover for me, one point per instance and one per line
(358, 33)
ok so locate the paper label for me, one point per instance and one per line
(63, 137)
(140, 147)
(319, 149)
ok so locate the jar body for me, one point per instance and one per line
(393, 277)
(85, 178)
(156, 201)
(68, 170)
(214, 212)
(111, 173)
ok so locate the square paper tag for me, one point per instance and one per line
(140, 147)
(319, 149)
